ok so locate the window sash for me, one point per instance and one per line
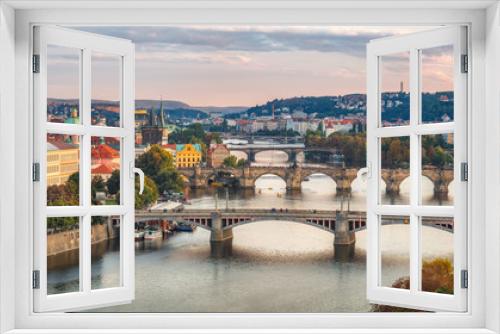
(85, 297)
(413, 298)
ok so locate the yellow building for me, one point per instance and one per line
(188, 155)
(62, 161)
(141, 117)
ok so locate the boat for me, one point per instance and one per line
(139, 235)
(153, 233)
(186, 227)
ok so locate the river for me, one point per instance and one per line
(275, 266)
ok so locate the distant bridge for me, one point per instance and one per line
(291, 149)
(294, 175)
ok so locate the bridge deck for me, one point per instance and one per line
(324, 219)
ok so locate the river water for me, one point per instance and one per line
(274, 266)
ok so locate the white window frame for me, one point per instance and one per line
(123, 51)
(483, 309)
(455, 36)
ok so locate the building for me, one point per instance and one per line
(187, 155)
(337, 125)
(63, 159)
(104, 159)
(216, 155)
(141, 118)
(156, 132)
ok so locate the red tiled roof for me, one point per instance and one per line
(170, 146)
(105, 168)
(104, 152)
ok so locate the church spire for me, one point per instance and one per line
(162, 117)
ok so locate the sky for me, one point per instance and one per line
(243, 65)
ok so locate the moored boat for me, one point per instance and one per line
(153, 233)
(186, 227)
(139, 235)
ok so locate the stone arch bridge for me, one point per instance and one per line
(291, 149)
(294, 175)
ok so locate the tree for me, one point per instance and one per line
(155, 160)
(231, 161)
(192, 134)
(97, 185)
(169, 180)
(61, 195)
(149, 195)
(113, 183)
(241, 163)
(64, 194)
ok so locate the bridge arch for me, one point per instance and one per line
(310, 181)
(326, 225)
(239, 154)
(258, 176)
(285, 155)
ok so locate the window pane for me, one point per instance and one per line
(437, 169)
(395, 251)
(105, 252)
(105, 160)
(395, 170)
(394, 89)
(63, 255)
(106, 89)
(436, 235)
(63, 84)
(63, 166)
(437, 84)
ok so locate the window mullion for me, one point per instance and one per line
(414, 170)
(85, 179)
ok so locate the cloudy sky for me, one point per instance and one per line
(247, 65)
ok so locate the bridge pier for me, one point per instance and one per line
(221, 241)
(345, 238)
(294, 178)
(292, 156)
(441, 178)
(246, 180)
(250, 156)
(197, 180)
(344, 180)
(344, 235)
(440, 190)
(217, 232)
(393, 179)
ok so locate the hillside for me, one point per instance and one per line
(323, 106)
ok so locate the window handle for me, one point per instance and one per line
(138, 171)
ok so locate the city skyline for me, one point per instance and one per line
(247, 65)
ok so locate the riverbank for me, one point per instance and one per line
(66, 241)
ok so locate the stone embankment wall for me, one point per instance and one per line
(70, 240)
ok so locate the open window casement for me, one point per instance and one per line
(410, 67)
(71, 160)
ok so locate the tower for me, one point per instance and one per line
(157, 131)
(162, 117)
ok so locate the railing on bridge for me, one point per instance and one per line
(324, 219)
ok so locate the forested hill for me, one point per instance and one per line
(185, 113)
(435, 106)
(323, 106)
